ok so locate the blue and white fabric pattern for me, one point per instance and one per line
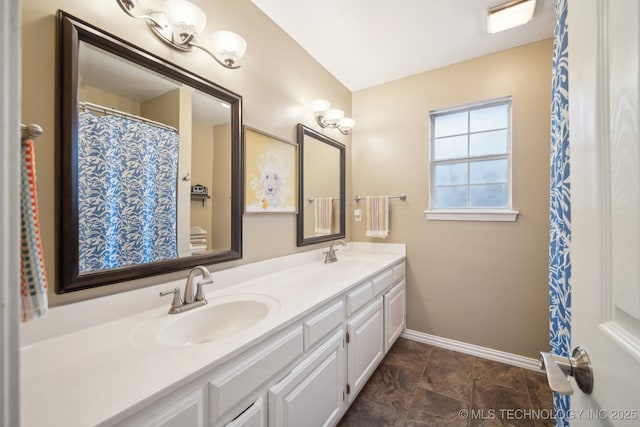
(560, 207)
(127, 186)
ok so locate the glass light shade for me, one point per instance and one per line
(347, 123)
(333, 117)
(137, 3)
(228, 45)
(510, 15)
(185, 16)
(320, 105)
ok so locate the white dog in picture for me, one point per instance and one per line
(271, 190)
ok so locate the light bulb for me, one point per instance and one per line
(186, 18)
(228, 46)
(320, 105)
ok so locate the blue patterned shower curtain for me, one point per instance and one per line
(560, 207)
(127, 187)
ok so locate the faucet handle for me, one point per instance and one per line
(176, 303)
(199, 292)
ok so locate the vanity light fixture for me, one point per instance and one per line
(509, 15)
(179, 23)
(333, 118)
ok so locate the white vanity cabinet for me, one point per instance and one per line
(254, 416)
(182, 408)
(306, 374)
(365, 346)
(312, 394)
(395, 307)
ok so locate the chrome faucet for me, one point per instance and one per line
(191, 300)
(330, 256)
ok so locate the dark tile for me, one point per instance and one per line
(539, 392)
(393, 383)
(433, 409)
(365, 413)
(420, 385)
(500, 374)
(410, 349)
(493, 404)
(541, 397)
(449, 373)
(436, 421)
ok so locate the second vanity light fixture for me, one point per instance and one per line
(509, 15)
(179, 23)
(333, 118)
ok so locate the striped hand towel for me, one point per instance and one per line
(323, 215)
(377, 216)
(33, 287)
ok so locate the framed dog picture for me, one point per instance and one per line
(271, 174)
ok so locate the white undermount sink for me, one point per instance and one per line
(222, 317)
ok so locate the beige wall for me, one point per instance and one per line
(479, 283)
(278, 80)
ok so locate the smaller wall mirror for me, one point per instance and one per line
(321, 190)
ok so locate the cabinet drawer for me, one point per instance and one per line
(359, 297)
(253, 416)
(241, 378)
(319, 325)
(398, 272)
(381, 282)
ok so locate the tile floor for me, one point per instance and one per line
(421, 385)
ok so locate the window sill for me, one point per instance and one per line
(495, 215)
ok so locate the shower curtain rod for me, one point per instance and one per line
(30, 131)
(112, 111)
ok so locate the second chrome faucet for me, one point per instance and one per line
(330, 256)
(191, 299)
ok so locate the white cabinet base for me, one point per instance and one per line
(394, 314)
(312, 393)
(365, 349)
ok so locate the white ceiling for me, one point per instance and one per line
(366, 43)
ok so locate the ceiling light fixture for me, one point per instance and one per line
(509, 15)
(178, 24)
(332, 118)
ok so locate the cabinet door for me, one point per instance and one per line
(254, 416)
(172, 411)
(365, 348)
(312, 394)
(394, 314)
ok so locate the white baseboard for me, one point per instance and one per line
(473, 350)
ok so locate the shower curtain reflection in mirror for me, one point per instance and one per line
(127, 185)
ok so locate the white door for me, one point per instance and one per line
(605, 203)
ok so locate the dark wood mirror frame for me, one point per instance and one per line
(72, 31)
(302, 132)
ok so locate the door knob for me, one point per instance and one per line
(558, 367)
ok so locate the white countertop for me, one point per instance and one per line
(81, 368)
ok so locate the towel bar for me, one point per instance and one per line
(402, 197)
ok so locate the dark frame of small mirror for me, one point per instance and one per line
(302, 132)
(72, 31)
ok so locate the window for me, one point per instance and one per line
(471, 162)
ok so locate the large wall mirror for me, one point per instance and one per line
(321, 190)
(149, 168)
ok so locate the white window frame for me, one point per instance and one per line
(471, 214)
